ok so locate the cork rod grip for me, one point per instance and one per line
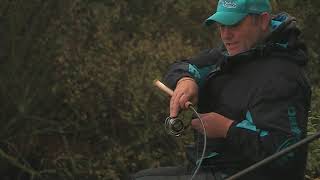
(167, 90)
(163, 87)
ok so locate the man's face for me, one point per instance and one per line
(242, 36)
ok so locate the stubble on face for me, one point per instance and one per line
(242, 36)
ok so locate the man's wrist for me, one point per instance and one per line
(227, 127)
(186, 79)
(230, 128)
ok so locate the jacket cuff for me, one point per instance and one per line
(232, 132)
(172, 81)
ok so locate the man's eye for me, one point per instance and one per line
(229, 27)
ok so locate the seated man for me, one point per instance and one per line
(252, 94)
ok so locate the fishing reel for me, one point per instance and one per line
(174, 126)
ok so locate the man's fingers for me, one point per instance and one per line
(183, 101)
(186, 91)
(177, 102)
(173, 108)
(174, 104)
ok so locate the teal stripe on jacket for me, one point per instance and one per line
(249, 125)
(201, 73)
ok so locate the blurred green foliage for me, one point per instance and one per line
(77, 100)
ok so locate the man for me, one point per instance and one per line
(252, 95)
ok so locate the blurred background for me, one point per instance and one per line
(76, 93)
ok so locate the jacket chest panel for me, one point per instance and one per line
(229, 95)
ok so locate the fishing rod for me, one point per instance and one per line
(275, 156)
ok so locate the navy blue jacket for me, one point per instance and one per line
(266, 93)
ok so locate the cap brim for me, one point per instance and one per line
(225, 18)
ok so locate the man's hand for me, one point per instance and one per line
(216, 125)
(186, 90)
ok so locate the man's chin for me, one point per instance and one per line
(234, 51)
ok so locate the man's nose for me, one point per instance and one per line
(226, 32)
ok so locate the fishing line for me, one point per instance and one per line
(204, 142)
(176, 127)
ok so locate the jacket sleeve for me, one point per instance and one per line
(197, 67)
(276, 119)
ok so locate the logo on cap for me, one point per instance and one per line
(229, 4)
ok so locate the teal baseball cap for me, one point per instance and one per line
(230, 12)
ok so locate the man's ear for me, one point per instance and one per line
(265, 21)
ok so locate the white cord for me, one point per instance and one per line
(204, 144)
